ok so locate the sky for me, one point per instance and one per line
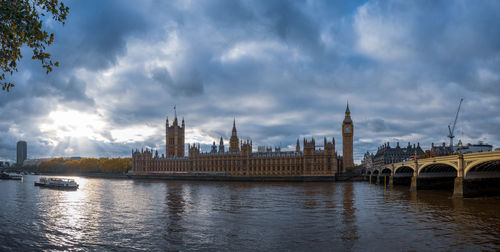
(283, 69)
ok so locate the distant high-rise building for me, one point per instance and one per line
(22, 152)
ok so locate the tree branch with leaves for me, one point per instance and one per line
(21, 24)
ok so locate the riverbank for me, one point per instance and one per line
(89, 175)
(336, 178)
(234, 178)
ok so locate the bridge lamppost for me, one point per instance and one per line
(458, 187)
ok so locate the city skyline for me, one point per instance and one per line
(284, 71)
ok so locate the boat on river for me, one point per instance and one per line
(13, 176)
(57, 183)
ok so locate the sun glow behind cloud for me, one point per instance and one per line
(64, 123)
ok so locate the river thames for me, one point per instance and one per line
(114, 214)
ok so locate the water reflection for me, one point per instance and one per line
(175, 208)
(168, 215)
(350, 232)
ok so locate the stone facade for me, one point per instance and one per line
(240, 160)
(367, 161)
(387, 155)
(174, 139)
(442, 150)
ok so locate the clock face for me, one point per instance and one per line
(347, 129)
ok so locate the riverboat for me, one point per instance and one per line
(12, 176)
(57, 183)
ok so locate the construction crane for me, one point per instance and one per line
(452, 129)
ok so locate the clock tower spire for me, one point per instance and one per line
(347, 139)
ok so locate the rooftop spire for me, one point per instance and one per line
(234, 126)
(347, 118)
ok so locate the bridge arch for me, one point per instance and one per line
(403, 172)
(404, 169)
(434, 165)
(475, 163)
(489, 167)
(386, 171)
(438, 169)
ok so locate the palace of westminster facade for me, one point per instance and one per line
(241, 161)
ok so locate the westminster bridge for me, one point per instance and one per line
(470, 174)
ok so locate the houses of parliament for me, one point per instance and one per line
(308, 160)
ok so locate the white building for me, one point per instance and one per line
(473, 148)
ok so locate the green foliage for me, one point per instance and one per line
(109, 165)
(20, 24)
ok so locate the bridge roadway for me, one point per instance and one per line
(474, 170)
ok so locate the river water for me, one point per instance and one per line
(108, 214)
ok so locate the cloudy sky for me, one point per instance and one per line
(284, 69)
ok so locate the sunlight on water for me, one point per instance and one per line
(167, 215)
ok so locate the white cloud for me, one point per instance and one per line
(382, 36)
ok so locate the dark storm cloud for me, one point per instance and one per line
(99, 31)
(189, 85)
(283, 69)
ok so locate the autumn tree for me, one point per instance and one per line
(21, 24)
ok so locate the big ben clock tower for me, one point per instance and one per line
(347, 134)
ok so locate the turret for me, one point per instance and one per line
(309, 147)
(214, 148)
(246, 147)
(194, 150)
(330, 146)
(174, 138)
(221, 145)
(297, 148)
(233, 141)
(234, 127)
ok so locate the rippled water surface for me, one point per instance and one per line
(107, 214)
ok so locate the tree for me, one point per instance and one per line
(21, 24)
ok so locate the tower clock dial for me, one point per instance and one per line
(347, 129)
